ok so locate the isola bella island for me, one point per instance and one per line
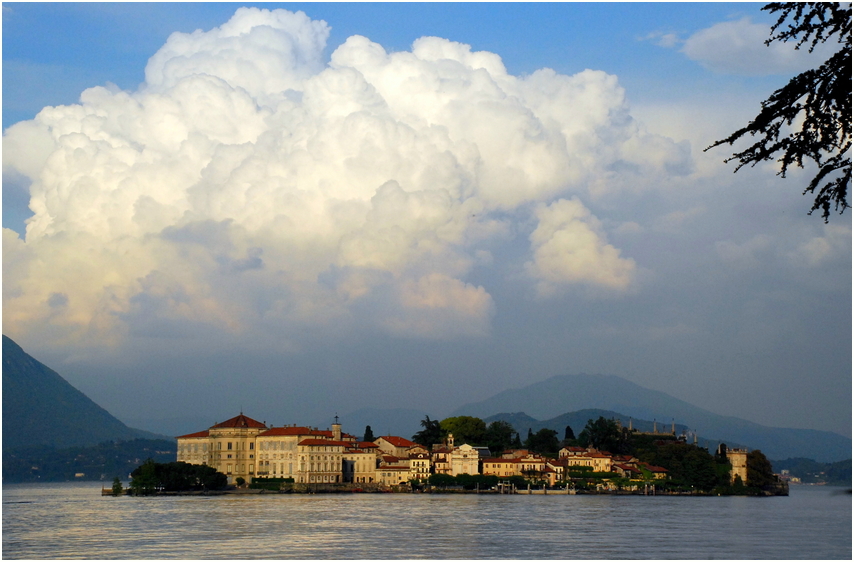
(457, 455)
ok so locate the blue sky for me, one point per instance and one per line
(119, 39)
(407, 220)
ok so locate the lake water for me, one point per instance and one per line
(73, 521)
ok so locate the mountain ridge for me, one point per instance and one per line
(566, 393)
(40, 408)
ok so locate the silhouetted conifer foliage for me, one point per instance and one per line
(810, 117)
(431, 434)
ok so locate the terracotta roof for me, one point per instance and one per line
(204, 433)
(240, 421)
(323, 442)
(285, 431)
(397, 441)
(367, 445)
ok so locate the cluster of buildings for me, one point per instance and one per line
(245, 448)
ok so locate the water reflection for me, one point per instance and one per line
(73, 521)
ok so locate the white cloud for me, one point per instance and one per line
(738, 47)
(569, 248)
(816, 251)
(748, 254)
(246, 187)
(662, 39)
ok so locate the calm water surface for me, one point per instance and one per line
(73, 521)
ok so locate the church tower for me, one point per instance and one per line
(336, 430)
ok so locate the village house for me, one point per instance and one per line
(391, 475)
(440, 459)
(501, 467)
(394, 446)
(578, 456)
(419, 463)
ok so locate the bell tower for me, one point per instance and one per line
(336, 430)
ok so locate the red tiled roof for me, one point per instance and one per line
(367, 445)
(323, 442)
(240, 421)
(398, 441)
(204, 433)
(284, 431)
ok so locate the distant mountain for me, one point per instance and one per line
(522, 422)
(40, 408)
(567, 393)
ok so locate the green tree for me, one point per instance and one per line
(543, 442)
(441, 480)
(759, 471)
(175, 477)
(466, 429)
(432, 433)
(117, 487)
(605, 435)
(810, 117)
(568, 434)
(240, 481)
(369, 434)
(499, 436)
(144, 479)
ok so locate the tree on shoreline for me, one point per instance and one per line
(178, 476)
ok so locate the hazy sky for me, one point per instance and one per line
(306, 209)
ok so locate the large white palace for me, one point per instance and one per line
(246, 448)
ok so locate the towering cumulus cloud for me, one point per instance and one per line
(250, 186)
